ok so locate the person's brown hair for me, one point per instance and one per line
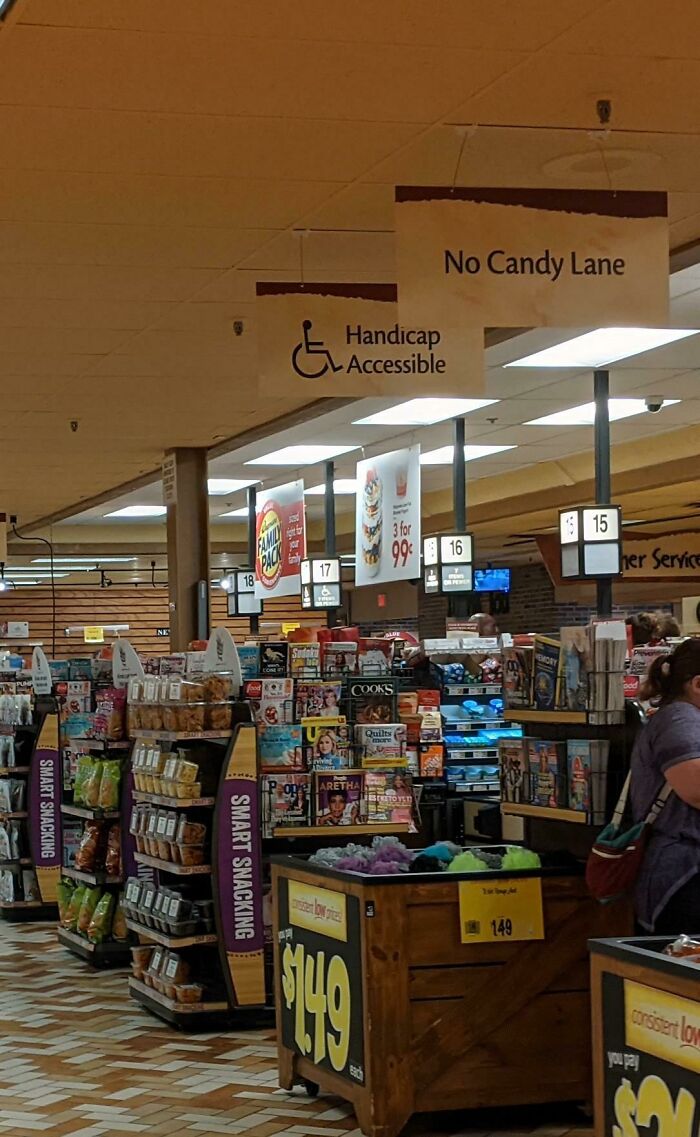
(644, 627)
(667, 625)
(669, 674)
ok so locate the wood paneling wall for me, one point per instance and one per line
(144, 609)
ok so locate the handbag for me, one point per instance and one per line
(615, 860)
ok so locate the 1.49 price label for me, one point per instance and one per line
(318, 959)
(506, 910)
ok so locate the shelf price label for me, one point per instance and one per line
(318, 963)
(501, 911)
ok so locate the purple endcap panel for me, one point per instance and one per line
(44, 809)
(239, 865)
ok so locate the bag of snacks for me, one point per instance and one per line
(120, 931)
(86, 856)
(111, 703)
(73, 910)
(91, 898)
(83, 771)
(100, 925)
(110, 782)
(64, 892)
(113, 856)
(91, 791)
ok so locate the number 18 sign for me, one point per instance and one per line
(501, 910)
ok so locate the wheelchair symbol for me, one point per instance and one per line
(313, 348)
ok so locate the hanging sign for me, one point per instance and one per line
(320, 583)
(346, 339)
(387, 517)
(126, 664)
(42, 680)
(93, 635)
(280, 540)
(501, 911)
(44, 809)
(448, 563)
(658, 558)
(319, 961)
(241, 598)
(591, 542)
(14, 629)
(532, 257)
(221, 656)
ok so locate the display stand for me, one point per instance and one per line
(389, 996)
(38, 760)
(646, 1038)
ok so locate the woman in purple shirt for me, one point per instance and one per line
(667, 897)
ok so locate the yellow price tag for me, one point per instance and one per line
(290, 626)
(93, 635)
(501, 910)
(316, 987)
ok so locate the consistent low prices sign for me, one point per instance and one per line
(340, 339)
(280, 540)
(319, 956)
(651, 1052)
(531, 258)
(387, 518)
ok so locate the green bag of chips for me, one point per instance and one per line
(87, 908)
(64, 892)
(73, 910)
(82, 774)
(100, 925)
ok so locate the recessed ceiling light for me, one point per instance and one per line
(444, 455)
(300, 455)
(340, 485)
(82, 560)
(423, 412)
(228, 485)
(242, 512)
(604, 345)
(585, 414)
(139, 511)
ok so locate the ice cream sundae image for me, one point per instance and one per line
(372, 521)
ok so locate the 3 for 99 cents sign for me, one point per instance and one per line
(319, 965)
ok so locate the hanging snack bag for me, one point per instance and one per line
(5, 849)
(73, 910)
(92, 785)
(86, 856)
(83, 771)
(113, 856)
(64, 892)
(5, 797)
(120, 931)
(87, 909)
(100, 926)
(109, 785)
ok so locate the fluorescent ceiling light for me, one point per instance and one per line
(306, 455)
(444, 455)
(82, 560)
(242, 512)
(139, 511)
(340, 485)
(423, 412)
(227, 485)
(585, 414)
(13, 574)
(604, 345)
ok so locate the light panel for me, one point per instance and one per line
(340, 486)
(603, 346)
(585, 414)
(423, 412)
(300, 455)
(83, 560)
(216, 486)
(444, 455)
(242, 512)
(139, 511)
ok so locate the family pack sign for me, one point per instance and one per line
(345, 339)
(532, 258)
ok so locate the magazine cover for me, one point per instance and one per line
(271, 700)
(249, 656)
(517, 676)
(514, 770)
(286, 800)
(339, 657)
(375, 656)
(327, 743)
(340, 798)
(274, 655)
(381, 744)
(431, 760)
(317, 700)
(305, 660)
(579, 761)
(373, 700)
(576, 666)
(545, 684)
(547, 768)
(281, 746)
(389, 796)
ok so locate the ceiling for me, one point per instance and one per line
(158, 158)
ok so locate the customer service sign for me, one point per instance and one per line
(326, 340)
(531, 258)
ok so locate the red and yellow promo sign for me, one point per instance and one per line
(280, 540)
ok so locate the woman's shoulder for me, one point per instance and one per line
(675, 730)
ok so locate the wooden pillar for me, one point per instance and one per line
(188, 548)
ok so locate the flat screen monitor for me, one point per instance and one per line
(492, 580)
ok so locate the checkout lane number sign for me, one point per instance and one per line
(319, 954)
(493, 911)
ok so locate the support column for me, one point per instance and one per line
(459, 604)
(329, 518)
(254, 620)
(601, 390)
(188, 549)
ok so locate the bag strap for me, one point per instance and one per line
(658, 804)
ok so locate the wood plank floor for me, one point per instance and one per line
(78, 1058)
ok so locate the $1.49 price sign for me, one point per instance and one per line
(492, 911)
(318, 960)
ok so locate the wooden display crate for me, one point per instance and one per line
(398, 1015)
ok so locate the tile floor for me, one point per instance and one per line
(78, 1058)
